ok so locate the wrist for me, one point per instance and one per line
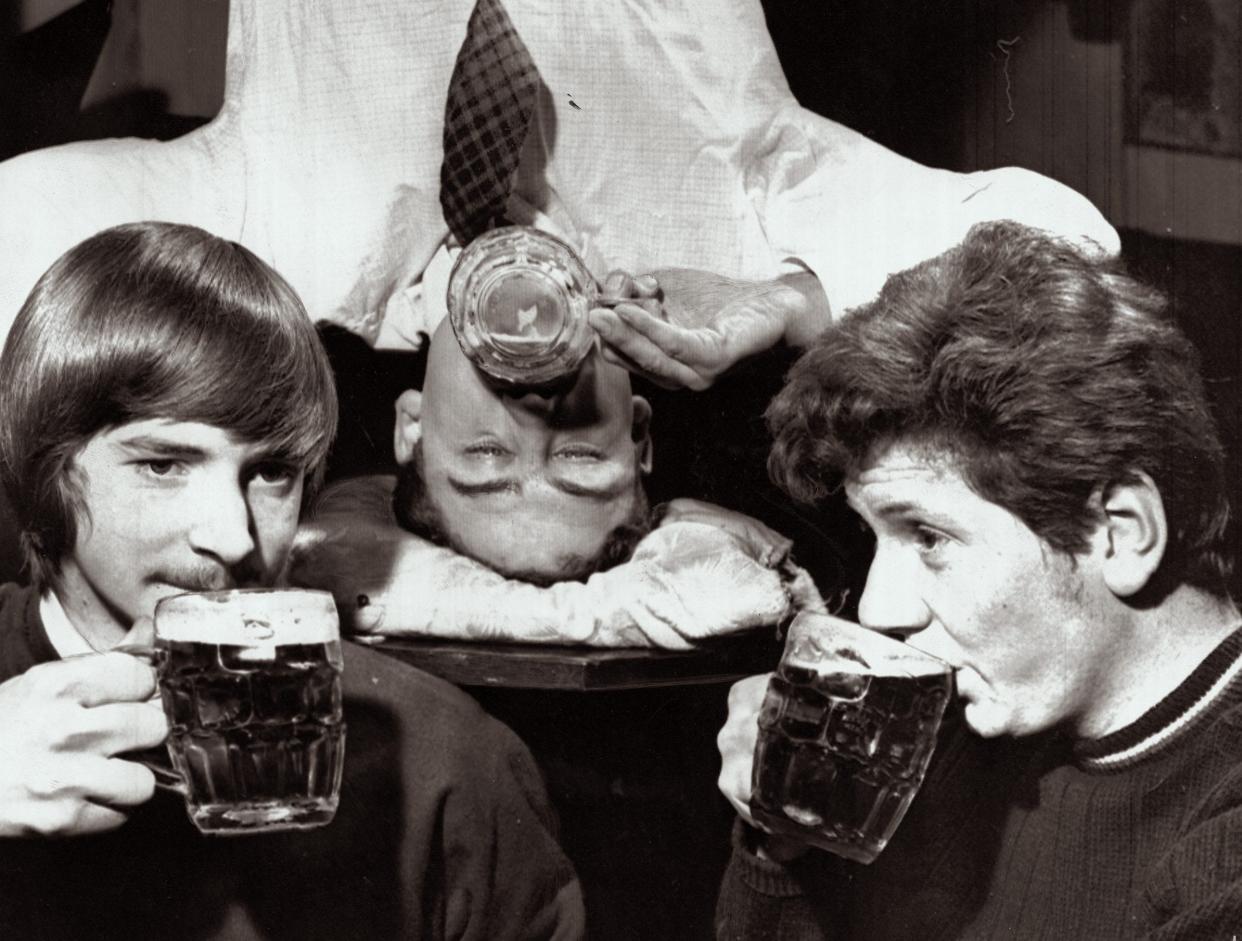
(805, 305)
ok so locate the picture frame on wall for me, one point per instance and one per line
(1184, 76)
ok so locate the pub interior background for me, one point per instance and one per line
(1135, 103)
(1053, 86)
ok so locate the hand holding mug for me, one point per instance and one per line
(736, 743)
(62, 726)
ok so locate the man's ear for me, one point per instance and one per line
(1134, 534)
(640, 432)
(407, 429)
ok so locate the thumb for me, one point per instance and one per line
(139, 642)
(142, 634)
(646, 286)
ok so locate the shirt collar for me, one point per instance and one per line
(1216, 678)
(61, 633)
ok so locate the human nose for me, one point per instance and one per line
(222, 525)
(560, 411)
(541, 403)
(890, 601)
(570, 401)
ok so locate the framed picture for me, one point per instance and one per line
(1184, 75)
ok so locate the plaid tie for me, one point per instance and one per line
(490, 99)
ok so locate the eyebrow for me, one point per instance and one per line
(904, 509)
(162, 446)
(513, 485)
(179, 449)
(900, 508)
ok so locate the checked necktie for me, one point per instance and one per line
(490, 100)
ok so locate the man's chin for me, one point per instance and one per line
(522, 563)
(522, 570)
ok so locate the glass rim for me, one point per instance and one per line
(252, 617)
(899, 646)
(255, 590)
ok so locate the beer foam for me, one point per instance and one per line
(250, 618)
(887, 667)
(828, 644)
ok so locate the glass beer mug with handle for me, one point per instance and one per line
(846, 731)
(251, 684)
(518, 301)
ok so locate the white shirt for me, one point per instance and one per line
(669, 137)
(61, 633)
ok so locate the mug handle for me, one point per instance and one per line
(148, 652)
(154, 759)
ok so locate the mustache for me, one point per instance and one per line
(206, 577)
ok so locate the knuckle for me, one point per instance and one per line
(59, 728)
(44, 784)
(46, 680)
(66, 816)
(739, 691)
(47, 821)
(649, 360)
(137, 675)
(71, 816)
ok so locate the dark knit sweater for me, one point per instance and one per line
(443, 831)
(1135, 835)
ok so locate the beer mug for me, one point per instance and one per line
(250, 681)
(846, 731)
(518, 301)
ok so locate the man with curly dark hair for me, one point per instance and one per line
(1028, 439)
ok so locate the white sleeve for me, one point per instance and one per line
(324, 159)
(854, 212)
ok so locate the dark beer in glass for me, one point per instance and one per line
(251, 685)
(846, 731)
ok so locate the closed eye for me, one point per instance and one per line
(578, 452)
(486, 449)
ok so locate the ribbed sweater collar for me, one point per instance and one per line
(1215, 680)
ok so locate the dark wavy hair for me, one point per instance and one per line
(1046, 374)
(152, 320)
(416, 512)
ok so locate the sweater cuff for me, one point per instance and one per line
(760, 875)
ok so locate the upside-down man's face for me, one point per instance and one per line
(521, 480)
